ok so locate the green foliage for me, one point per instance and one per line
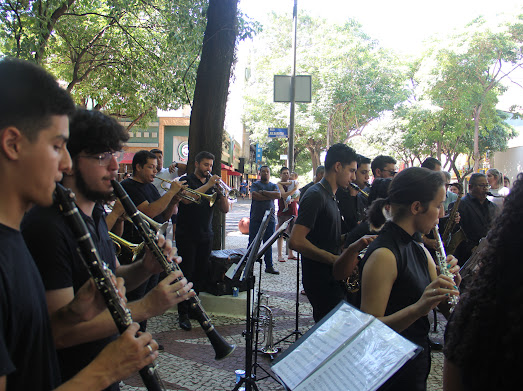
(353, 82)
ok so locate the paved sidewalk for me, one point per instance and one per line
(188, 360)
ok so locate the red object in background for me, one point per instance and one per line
(243, 225)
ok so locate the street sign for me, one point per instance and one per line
(258, 153)
(302, 88)
(283, 157)
(278, 132)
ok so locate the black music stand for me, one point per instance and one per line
(247, 274)
(251, 256)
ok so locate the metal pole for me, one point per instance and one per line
(290, 154)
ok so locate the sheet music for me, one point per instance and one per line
(325, 340)
(365, 363)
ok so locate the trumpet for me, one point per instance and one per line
(197, 198)
(136, 249)
(153, 224)
(226, 191)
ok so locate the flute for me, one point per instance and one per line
(220, 346)
(101, 275)
(442, 263)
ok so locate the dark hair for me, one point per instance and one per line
(203, 155)
(320, 169)
(141, 158)
(29, 96)
(379, 189)
(362, 160)
(380, 162)
(156, 150)
(431, 163)
(459, 186)
(265, 166)
(474, 178)
(486, 322)
(94, 132)
(339, 153)
(283, 169)
(410, 185)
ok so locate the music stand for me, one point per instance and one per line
(249, 379)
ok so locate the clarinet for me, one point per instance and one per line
(220, 346)
(101, 275)
(442, 263)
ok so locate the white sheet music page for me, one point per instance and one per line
(314, 350)
(365, 363)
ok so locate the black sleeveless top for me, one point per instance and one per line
(413, 276)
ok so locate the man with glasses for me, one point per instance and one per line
(94, 144)
(383, 166)
(477, 214)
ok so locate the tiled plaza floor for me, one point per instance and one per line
(188, 360)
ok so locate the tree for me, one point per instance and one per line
(470, 71)
(127, 57)
(353, 82)
(212, 87)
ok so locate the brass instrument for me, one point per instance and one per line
(268, 326)
(226, 191)
(442, 263)
(356, 187)
(352, 283)
(211, 199)
(136, 249)
(451, 240)
(153, 224)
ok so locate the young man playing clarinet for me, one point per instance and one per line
(34, 121)
(95, 141)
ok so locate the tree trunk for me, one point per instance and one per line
(477, 113)
(212, 87)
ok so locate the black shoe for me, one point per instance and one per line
(184, 322)
(271, 270)
(436, 346)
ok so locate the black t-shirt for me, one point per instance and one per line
(138, 193)
(27, 354)
(53, 246)
(319, 212)
(195, 220)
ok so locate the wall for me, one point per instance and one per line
(510, 162)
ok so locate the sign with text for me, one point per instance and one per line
(258, 153)
(278, 132)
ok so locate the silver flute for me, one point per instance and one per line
(443, 265)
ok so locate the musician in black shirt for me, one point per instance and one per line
(194, 229)
(317, 231)
(34, 121)
(477, 214)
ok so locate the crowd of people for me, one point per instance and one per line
(57, 333)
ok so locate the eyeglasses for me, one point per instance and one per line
(391, 172)
(105, 158)
(483, 186)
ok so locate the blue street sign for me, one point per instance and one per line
(258, 153)
(278, 132)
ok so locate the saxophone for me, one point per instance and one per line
(442, 263)
(451, 240)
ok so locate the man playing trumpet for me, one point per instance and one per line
(194, 233)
